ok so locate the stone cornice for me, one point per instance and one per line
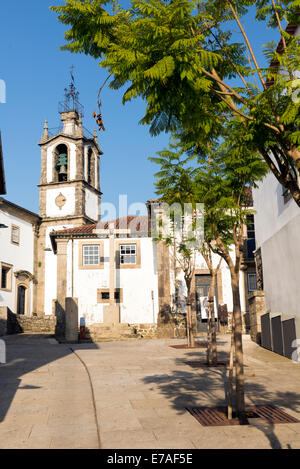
(19, 212)
(69, 183)
(72, 138)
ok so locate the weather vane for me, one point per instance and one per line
(71, 101)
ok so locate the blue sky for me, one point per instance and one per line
(36, 73)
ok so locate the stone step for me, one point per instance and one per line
(100, 332)
(108, 327)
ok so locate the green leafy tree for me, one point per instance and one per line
(176, 186)
(181, 57)
(222, 180)
(229, 174)
(175, 183)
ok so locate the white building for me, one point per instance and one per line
(62, 253)
(277, 226)
(277, 223)
(18, 240)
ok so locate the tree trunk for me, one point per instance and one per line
(208, 337)
(230, 380)
(190, 325)
(190, 329)
(211, 297)
(238, 345)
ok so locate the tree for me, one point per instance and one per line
(175, 183)
(176, 227)
(229, 174)
(221, 179)
(181, 57)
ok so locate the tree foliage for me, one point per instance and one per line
(182, 58)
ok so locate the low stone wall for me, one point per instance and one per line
(11, 323)
(36, 324)
(257, 308)
(17, 323)
(145, 331)
(170, 325)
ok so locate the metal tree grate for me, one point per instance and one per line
(217, 416)
(199, 364)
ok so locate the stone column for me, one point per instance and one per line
(257, 308)
(61, 269)
(111, 265)
(163, 269)
(111, 312)
(3, 320)
(60, 307)
(71, 320)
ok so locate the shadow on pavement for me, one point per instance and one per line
(24, 354)
(209, 387)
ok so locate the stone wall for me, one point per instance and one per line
(145, 331)
(257, 308)
(170, 325)
(36, 324)
(3, 320)
(11, 323)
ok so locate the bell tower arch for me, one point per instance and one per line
(69, 188)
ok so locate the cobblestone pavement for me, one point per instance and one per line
(141, 389)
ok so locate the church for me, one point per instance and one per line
(111, 273)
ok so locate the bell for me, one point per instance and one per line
(63, 170)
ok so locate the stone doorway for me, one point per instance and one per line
(21, 301)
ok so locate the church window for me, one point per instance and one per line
(6, 276)
(15, 234)
(128, 254)
(61, 163)
(91, 254)
(89, 166)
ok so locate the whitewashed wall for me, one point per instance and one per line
(21, 257)
(277, 228)
(92, 205)
(137, 284)
(51, 270)
(52, 210)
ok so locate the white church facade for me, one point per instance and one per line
(114, 271)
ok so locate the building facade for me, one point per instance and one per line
(69, 194)
(277, 222)
(115, 271)
(18, 244)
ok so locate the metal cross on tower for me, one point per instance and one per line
(71, 101)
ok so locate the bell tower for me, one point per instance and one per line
(69, 189)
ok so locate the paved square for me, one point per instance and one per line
(141, 389)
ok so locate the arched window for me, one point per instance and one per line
(90, 166)
(61, 163)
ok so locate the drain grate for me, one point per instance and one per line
(199, 364)
(274, 414)
(217, 416)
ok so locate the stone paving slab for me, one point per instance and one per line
(141, 390)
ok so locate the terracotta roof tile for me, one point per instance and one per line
(134, 223)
